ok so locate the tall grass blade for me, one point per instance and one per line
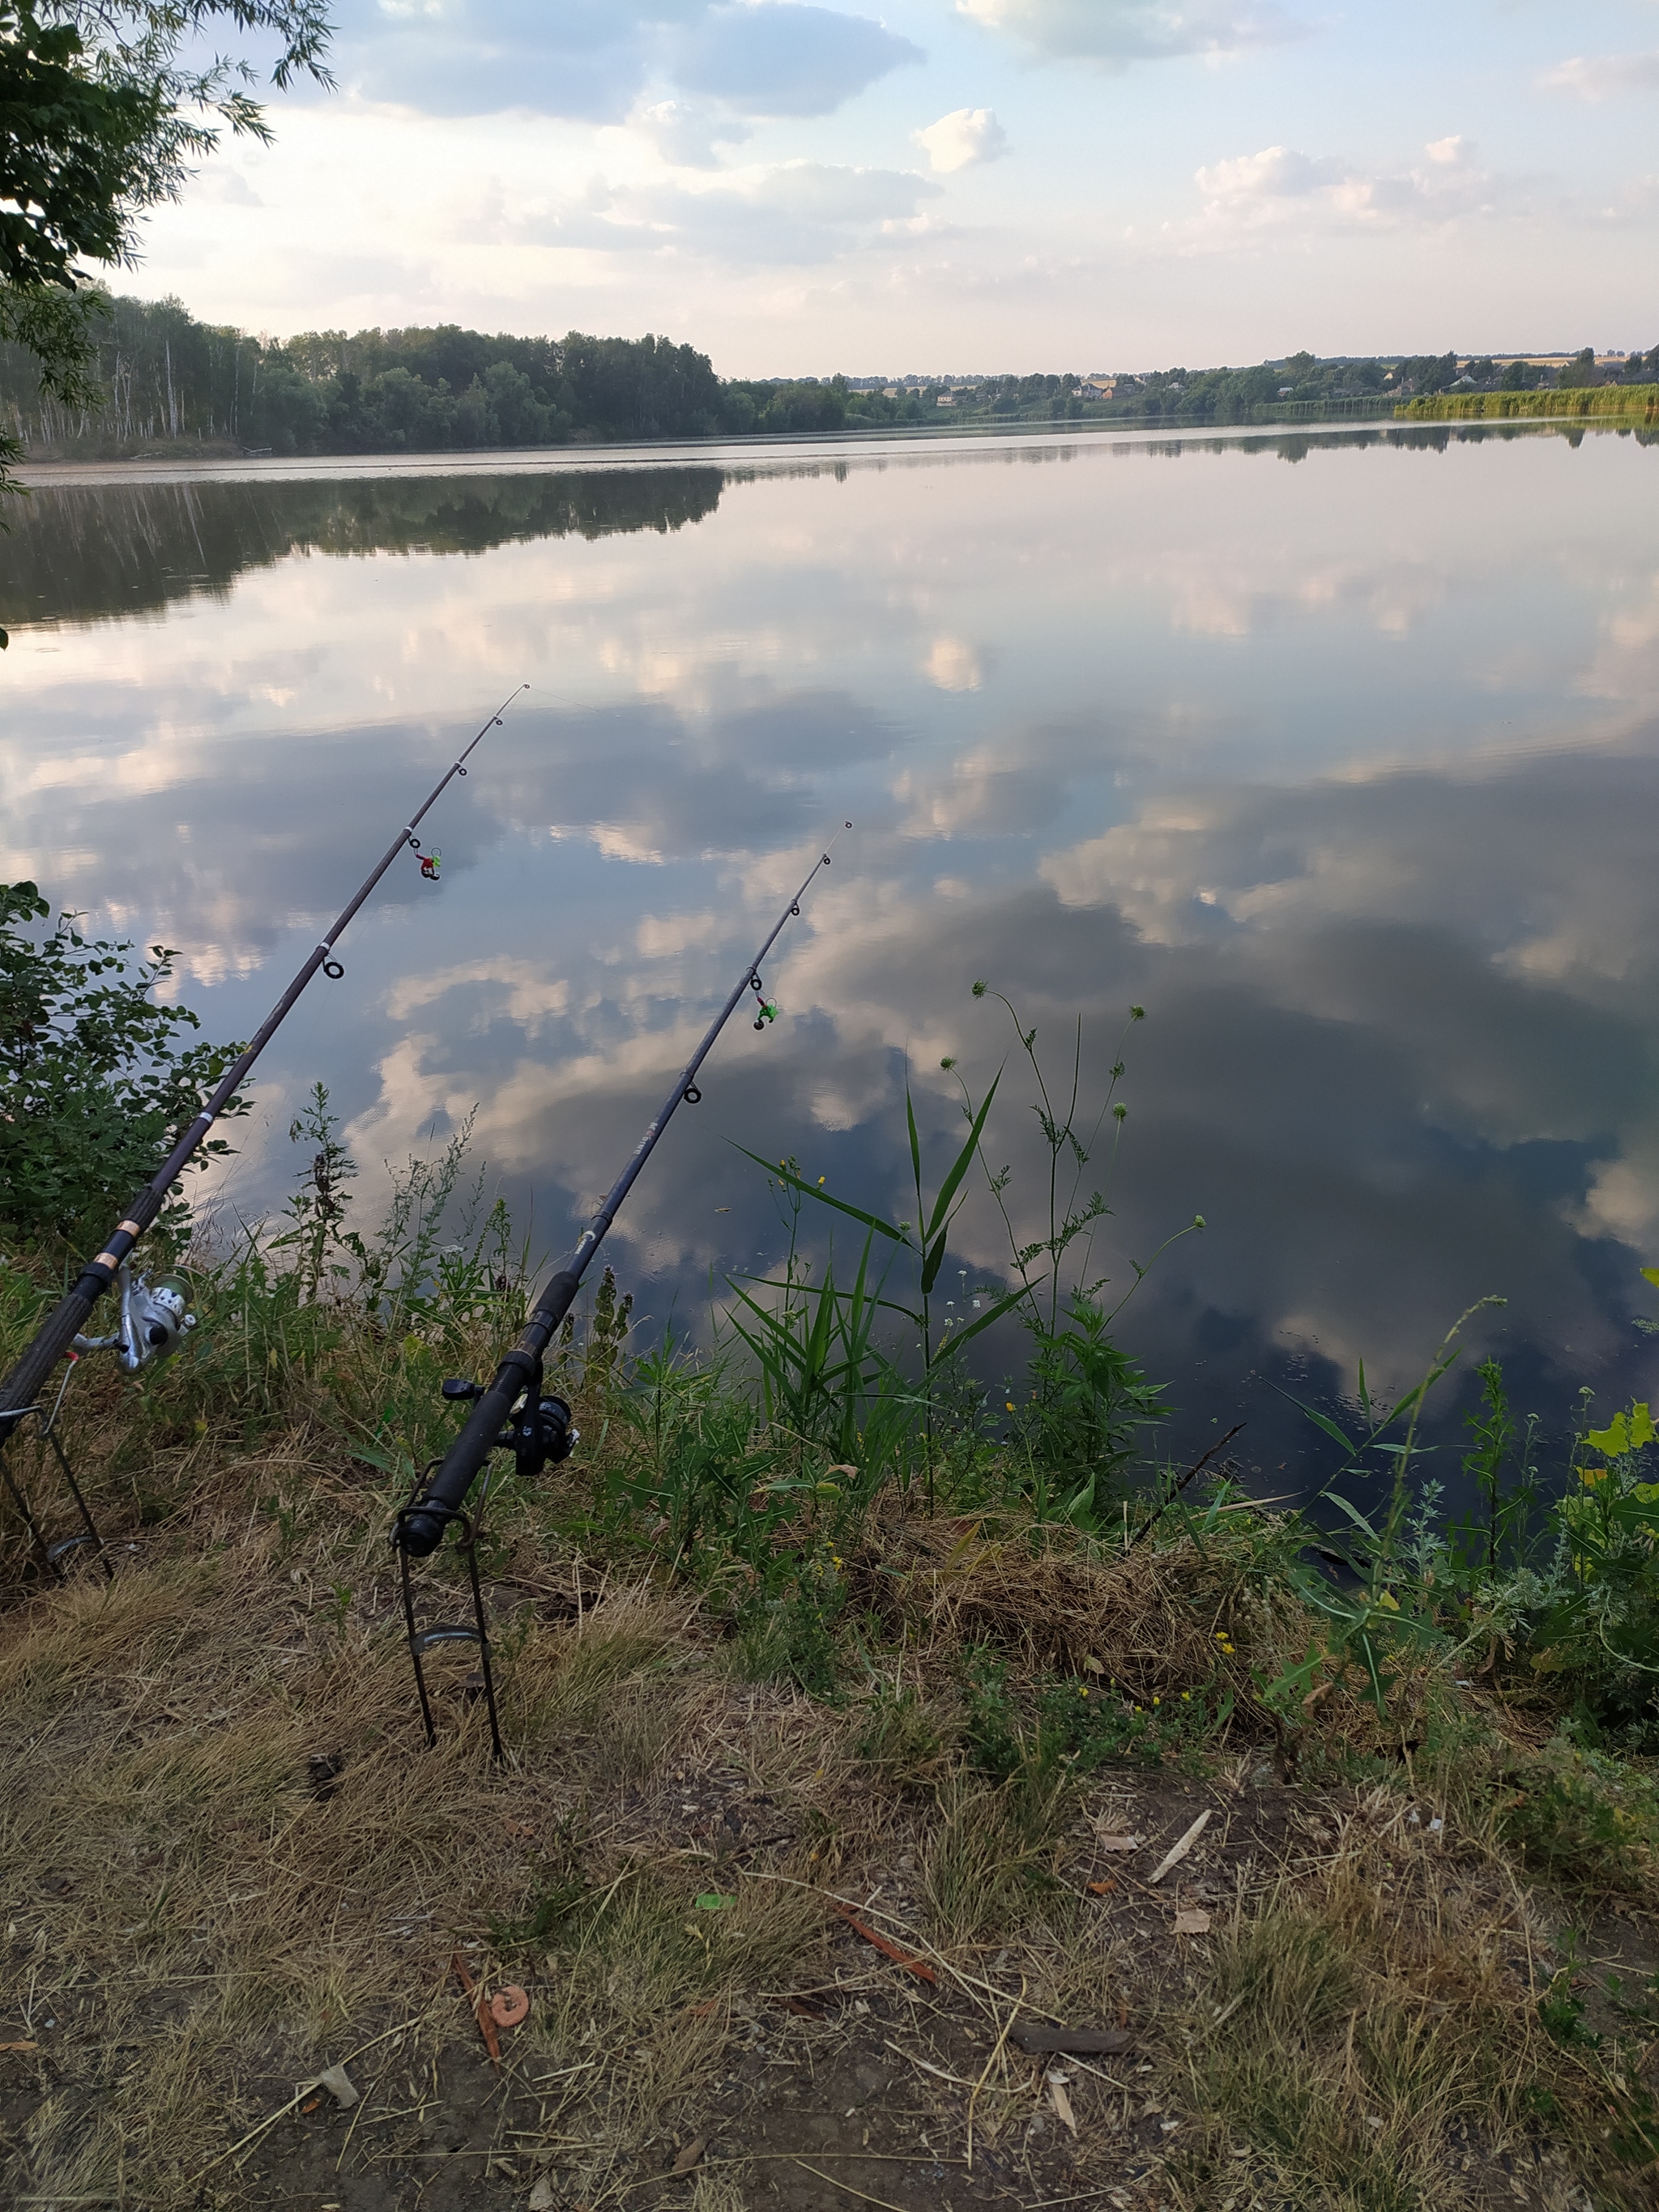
(810, 1190)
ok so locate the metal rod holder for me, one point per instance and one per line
(422, 1640)
(53, 1556)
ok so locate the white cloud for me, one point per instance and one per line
(1118, 32)
(962, 139)
(221, 186)
(782, 58)
(590, 60)
(1279, 185)
(1603, 76)
(802, 212)
(1276, 173)
(687, 136)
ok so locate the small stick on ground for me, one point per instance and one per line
(271, 2118)
(885, 2203)
(917, 1966)
(996, 2053)
(1179, 1849)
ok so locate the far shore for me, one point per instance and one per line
(190, 463)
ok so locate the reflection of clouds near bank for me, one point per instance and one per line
(1383, 1117)
(1114, 726)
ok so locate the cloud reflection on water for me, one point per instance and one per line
(1343, 771)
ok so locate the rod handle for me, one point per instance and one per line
(50, 1342)
(420, 1528)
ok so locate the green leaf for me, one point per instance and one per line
(964, 1158)
(1614, 1439)
(713, 1900)
(1381, 1682)
(958, 1337)
(1352, 1512)
(870, 1221)
(1320, 1421)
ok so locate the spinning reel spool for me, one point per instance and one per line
(155, 1320)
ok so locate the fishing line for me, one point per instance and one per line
(510, 1411)
(153, 1316)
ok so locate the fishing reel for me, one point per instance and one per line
(155, 1318)
(539, 1433)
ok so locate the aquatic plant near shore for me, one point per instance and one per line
(1081, 1415)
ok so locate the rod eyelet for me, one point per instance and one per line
(691, 1095)
(334, 968)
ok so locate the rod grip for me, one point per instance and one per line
(47, 1346)
(420, 1528)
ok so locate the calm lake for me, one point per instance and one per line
(1338, 752)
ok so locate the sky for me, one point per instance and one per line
(952, 185)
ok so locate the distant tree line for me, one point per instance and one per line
(1224, 395)
(162, 377)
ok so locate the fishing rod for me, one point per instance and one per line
(510, 1412)
(152, 1317)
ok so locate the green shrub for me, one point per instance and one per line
(1076, 1726)
(96, 1077)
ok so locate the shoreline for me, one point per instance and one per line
(732, 453)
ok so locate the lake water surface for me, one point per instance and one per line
(1338, 753)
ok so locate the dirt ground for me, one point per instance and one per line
(865, 2066)
(861, 2079)
(764, 1968)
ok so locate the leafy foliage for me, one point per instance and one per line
(97, 1077)
(1089, 1408)
(74, 151)
(1080, 1725)
(105, 104)
(159, 372)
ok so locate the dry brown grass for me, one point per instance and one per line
(1363, 2041)
(181, 1883)
(209, 1917)
(1152, 1621)
(1150, 1618)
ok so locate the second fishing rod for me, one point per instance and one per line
(57, 1333)
(509, 1412)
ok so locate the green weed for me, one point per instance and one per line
(1580, 1829)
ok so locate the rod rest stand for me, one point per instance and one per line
(422, 1640)
(539, 1434)
(51, 1555)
